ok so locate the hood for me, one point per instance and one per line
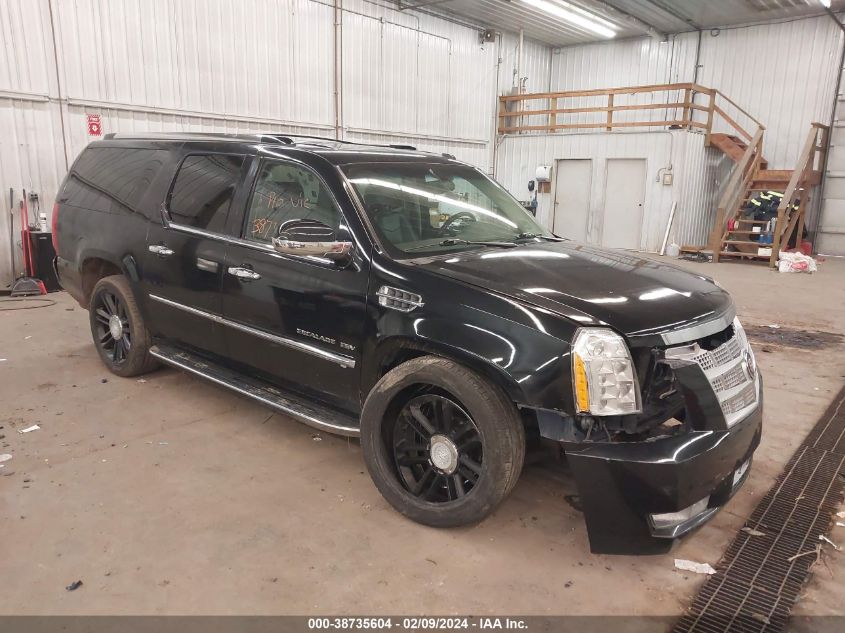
(640, 298)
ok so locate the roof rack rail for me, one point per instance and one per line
(279, 138)
(272, 137)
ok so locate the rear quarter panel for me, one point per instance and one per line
(106, 206)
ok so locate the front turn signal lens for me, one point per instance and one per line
(603, 374)
(582, 392)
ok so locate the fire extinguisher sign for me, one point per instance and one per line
(95, 126)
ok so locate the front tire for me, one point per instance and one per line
(442, 444)
(118, 329)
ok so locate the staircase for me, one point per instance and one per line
(752, 177)
(733, 146)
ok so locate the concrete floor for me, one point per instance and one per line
(169, 495)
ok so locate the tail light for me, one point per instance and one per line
(54, 225)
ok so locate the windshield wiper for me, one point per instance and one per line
(534, 236)
(456, 242)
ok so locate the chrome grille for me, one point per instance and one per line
(734, 377)
(726, 352)
(731, 370)
(738, 402)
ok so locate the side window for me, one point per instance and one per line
(203, 190)
(112, 178)
(284, 191)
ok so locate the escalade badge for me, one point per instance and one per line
(748, 365)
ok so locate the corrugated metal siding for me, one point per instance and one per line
(26, 64)
(701, 177)
(634, 62)
(256, 58)
(536, 64)
(783, 74)
(30, 158)
(830, 234)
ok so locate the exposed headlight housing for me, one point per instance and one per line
(604, 376)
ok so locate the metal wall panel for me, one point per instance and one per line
(30, 158)
(784, 74)
(830, 232)
(536, 64)
(258, 58)
(26, 53)
(703, 172)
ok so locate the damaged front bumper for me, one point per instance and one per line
(624, 487)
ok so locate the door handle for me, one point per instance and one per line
(245, 274)
(160, 249)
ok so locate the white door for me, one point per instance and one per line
(623, 203)
(573, 178)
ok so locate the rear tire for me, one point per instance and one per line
(118, 329)
(442, 444)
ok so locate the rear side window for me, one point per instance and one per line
(203, 190)
(112, 179)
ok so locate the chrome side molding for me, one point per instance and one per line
(340, 359)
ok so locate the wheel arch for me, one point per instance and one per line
(394, 351)
(95, 265)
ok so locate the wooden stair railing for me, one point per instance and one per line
(733, 195)
(806, 174)
(669, 105)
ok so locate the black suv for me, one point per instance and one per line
(406, 298)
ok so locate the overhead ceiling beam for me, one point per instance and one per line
(648, 28)
(662, 6)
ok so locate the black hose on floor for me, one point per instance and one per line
(40, 302)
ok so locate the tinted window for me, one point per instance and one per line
(284, 191)
(112, 178)
(203, 190)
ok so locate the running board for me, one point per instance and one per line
(312, 414)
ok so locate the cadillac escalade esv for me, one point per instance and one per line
(406, 298)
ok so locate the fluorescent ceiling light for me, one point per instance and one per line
(574, 15)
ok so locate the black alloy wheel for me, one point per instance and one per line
(113, 334)
(443, 444)
(437, 448)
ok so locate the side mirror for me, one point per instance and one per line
(311, 238)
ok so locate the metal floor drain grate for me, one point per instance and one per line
(760, 576)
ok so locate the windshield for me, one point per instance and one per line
(423, 209)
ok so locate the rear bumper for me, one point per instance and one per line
(622, 484)
(69, 278)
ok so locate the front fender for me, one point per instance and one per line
(532, 367)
